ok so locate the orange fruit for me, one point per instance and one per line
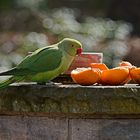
(128, 65)
(100, 66)
(115, 76)
(85, 76)
(135, 74)
(125, 63)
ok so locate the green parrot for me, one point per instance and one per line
(45, 63)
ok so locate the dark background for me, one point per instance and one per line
(108, 26)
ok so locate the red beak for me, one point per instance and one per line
(79, 51)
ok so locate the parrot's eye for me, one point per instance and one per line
(72, 45)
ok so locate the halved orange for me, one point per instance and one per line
(115, 76)
(135, 74)
(100, 66)
(128, 65)
(85, 76)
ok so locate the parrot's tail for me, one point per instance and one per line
(9, 81)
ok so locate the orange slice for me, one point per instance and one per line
(135, 74)
(85, 76)
(128, 65)
(100, 66)
(115, 76)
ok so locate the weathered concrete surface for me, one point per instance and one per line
(71, 99)
(43, 128)
(104, 129)
(32, 128)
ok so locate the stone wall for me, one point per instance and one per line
(70, 112)
(44, 128)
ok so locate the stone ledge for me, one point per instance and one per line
(70, 100)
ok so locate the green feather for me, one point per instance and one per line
(45, 60)
(9, 81)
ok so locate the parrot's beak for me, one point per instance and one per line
(79, 51)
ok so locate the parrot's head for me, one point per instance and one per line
(71, 46)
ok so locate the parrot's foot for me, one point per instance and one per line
(41, 83)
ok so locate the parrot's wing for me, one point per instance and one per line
(44, 60)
